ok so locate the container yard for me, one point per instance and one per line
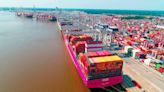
(138, 41)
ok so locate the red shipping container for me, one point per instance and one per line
(79, 47)
(101, 67)
(82, 58)
(161, 69)
(98, 54)
(92, 54)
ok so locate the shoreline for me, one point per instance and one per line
(93, 11)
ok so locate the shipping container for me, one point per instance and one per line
(98, 53)
(127, 48)
(106, 66)
(147, 61)
(134, 53)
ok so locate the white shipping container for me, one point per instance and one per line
(93, 49)
(147, 61)
(94, 45)
(126, 48)
(134, 52)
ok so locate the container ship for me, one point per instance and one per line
(28, 14)
(98, 68)
(46, 17)
(25, 14)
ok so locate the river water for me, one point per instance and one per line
(33, 57)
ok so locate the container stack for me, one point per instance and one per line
(74, 39)
(160, 67)
(101, 67)
(94, 46)
(140, 39)
(78, 42)
(98, 54)
(79, 47)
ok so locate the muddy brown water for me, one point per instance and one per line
(33, 58)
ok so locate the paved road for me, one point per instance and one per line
(149, 79)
